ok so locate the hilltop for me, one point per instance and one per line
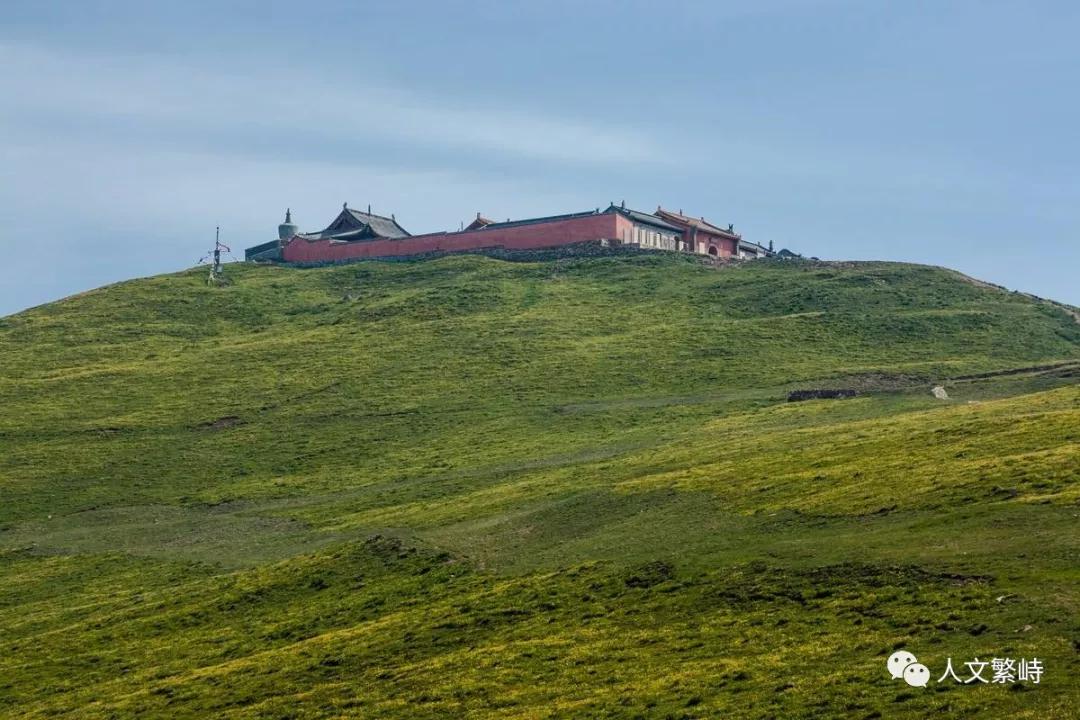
(571, 488)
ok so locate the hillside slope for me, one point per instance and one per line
(553, 489)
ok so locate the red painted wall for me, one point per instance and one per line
(522, 237)
(699, 239)
(725, 246)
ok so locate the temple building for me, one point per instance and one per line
(355, 234)
(648, 231)
(352, 225)
(349, 226)
(703, 237)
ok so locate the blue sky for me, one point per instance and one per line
(937, 132)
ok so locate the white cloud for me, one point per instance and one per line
(180, 94)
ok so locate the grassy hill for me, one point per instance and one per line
(473, 488)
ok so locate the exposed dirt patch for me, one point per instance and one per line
(222, 423)
(821, 394)
(107, 431)
(882, 381)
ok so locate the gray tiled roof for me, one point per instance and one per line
(356, 225)
(644, 218)
(700, 223)
(533, 221)
(381, 226)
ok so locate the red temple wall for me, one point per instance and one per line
(520, 237)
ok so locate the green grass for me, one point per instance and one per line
(467, 487)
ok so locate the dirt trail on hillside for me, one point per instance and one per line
(1030, 370)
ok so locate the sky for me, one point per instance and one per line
(945, 133)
